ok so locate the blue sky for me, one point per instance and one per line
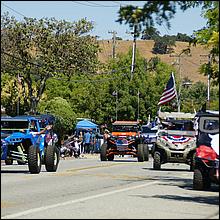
(102, 13)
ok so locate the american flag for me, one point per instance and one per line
(169, 93)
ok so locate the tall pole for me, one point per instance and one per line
(208, 90)
(133, 51)
(180, 75)
(18, 101)
(113, 43)
(116, 106)
(208, 77)
(179, 103)
(138, 104)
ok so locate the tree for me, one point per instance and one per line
(162, 11)
(40, 49)
(61, 109)
(183, 37)
(193, 97)
(209, 36)
(164, 44)
(150, 33)
(152, 12)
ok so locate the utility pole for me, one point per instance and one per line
(18, 101)
(138, 104)
(180, 75)
(113, 43)
(208, 77)
(133, 51)
(116, 107)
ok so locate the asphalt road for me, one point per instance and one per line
(88, 188)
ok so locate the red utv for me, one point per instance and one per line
(207, 152)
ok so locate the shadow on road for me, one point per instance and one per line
(169, 169)
(124, 160)
(206, 199)
(15, 171)
(210, 200)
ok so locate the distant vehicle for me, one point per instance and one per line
(176, 142)
(149, 136)
(207, 152)
(20, 141)
(124, 140)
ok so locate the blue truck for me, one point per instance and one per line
(21, 141)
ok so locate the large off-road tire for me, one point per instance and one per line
(157, 161)
(103, 152)
(9, 161)
(192, 162)
(146, 152)
(153, 149)
(52, 158)
(200, 180)
(34, 159)
(140, 153)
(111, 157)
(21, 162)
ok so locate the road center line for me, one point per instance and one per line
(43, 208)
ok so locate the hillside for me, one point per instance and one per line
(189, 65)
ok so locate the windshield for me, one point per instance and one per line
(209, 124)
(181, 125)
(124, 128)
(5, 125)
(177, 127)
(148, 130)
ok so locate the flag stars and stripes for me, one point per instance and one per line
(169, 93)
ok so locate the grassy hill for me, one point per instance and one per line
(189, 65)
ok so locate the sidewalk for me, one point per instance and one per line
(82, 156)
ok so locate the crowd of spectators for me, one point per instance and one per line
(82, 142)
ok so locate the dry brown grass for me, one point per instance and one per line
(189, 65)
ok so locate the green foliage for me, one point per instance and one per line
(183, 37)
(150, 33)
(61, 109)
(152, 12)
(164, 44)
(44, 48)
(193, 96)
(209, 36)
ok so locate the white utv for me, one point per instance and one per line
(176, 142)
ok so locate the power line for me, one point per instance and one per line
(61, 71)
(20, 59)
(92, 5)
(13, 10)
(100, 5)
(191, 61)
(165, 29)
(91, 80)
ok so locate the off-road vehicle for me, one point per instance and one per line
(125, 139)
(150, 136)
(207, 152)
(176, 142)
(20, 141)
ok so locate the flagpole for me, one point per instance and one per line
(178, 102)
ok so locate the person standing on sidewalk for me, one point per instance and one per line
(87, 141)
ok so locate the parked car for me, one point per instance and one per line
(124, 140)
(149, 136)
(176, 142)
(207, 152)
(21, 141)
